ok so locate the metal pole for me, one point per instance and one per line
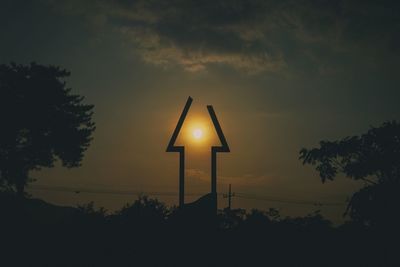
(182, 179)
(214, 177)
(213, 172)
(229, 197)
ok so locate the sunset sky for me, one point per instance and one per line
(281, 75)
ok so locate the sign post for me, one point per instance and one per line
(214, 150)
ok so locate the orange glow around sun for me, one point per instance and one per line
(197, 130)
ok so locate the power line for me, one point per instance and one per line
(99, 191)
(158, 193)
(288, 201)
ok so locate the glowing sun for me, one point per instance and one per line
(197, 133)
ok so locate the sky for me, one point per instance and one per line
(281, 75)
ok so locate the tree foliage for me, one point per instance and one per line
(41, 121)
(374, 154)
(373, 157)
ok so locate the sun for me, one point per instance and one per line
(197, 133)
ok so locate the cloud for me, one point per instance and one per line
(253, 36)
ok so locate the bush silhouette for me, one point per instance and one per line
(143, 212)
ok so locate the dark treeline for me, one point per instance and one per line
(147, 233)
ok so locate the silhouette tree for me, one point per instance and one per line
(374, 158)
(41, 121)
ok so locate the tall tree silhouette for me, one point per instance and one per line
(41, 121)
(374, 158)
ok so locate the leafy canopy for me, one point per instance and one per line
(373, 157)
(41, 121)
(375, 154)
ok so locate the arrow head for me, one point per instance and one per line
(171, 145)
(221, 136)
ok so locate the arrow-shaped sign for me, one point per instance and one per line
(181, 149)
(215, 149)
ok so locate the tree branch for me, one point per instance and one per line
(369, 181)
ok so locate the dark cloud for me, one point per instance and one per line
(250, 35)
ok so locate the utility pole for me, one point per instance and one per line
(229, 196)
